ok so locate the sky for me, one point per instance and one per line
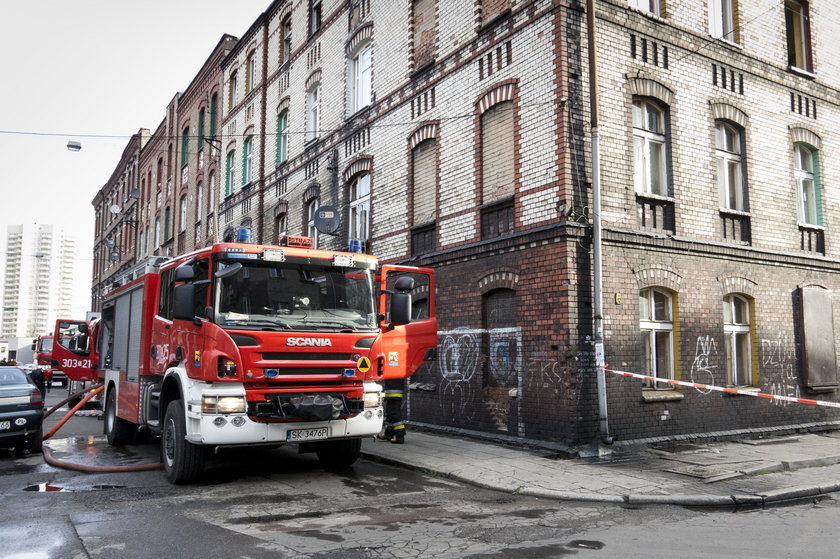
(74, 70)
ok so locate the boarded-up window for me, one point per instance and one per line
(819, 371)
(492, 8)
(500, 344)
(424, 179)
(425, 34)
(497, 154)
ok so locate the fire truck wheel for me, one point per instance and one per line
(182, 460)
(339, 454)
(118, 430)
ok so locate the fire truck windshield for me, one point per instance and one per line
(299, 297)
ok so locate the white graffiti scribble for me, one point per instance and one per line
(702, 371)
(779, 356)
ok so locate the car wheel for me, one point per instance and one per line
(118, 430)
(339, 454)
(182, 460)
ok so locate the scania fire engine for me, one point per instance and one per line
(242, 344)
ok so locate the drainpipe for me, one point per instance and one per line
(597, 269)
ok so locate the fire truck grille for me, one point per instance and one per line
(282, 371)
(306, 356)
(313, 407)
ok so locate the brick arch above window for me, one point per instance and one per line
(499, 279)
(313, 79)
(658, 276)
(283, 105)
(737, 284)
(497, 94)
(646, 87)
(281, 207)
(249, 131)
(805, 136)
(314, 191)
(725, 111)
(362, 164)
(363, 35)
(423, 133)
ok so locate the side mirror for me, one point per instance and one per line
(183, 303)
(184, 272)
(83, 328)
(401, 301)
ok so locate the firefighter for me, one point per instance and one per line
(37, 376)
(394, 424)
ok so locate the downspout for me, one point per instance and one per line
(597, 269)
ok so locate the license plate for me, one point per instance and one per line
(296, 435)
(5, 425)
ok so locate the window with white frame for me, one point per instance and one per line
(182, 221)
(360, 207)
(805, 165)
(361, 78)
(282, 137)
(313, 112)
(737, 339)
(157, 232)
(311, 210)
(232, 90)
(650, 6)
(730, 175)
(199, 201)
(722, 14)
(649, 148)
(211, 192)
(280, 226)
(656, 322)
(250, 72)
(798, 31)
(315, 16)
(229, 161)
(247, 159)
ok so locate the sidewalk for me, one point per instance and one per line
(746, 472)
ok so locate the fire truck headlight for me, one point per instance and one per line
(231, 404)
(373, 399)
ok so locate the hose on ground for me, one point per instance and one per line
(52, 461)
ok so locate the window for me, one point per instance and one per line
(166, 216)
(313, 113)
(722, 17)
(200, 129)
(499, 347)
(798, 30)
(281, 227)
(656, 323)
(250, 72)
(199, 201)
(232, 90)
(229, 173)
(314, 16)
(282, 137)
(214, 109)
(425, 32)
(497, 152)
(361, 78)
(182, 222)
(185, 145)
(286, 40)
(806, 170)
(650, 6)
(211, 190)
(729, 167)
(360, 207)
(311, 231)
(736, 335)
(649, 148)
(424, 182)
(247, 159)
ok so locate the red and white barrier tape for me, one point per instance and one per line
(729, 390)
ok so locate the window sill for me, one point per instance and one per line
(647, 14)
(652, 196)
(493, 21)
(802, 72)
(422, 69)
(654, 396)
(811, 226)
(739, 213)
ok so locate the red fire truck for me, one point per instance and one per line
(243, 344)
(42, 357)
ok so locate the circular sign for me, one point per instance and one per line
(363, 364)
(327, 220)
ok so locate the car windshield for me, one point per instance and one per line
(285, 296)
(12, 376)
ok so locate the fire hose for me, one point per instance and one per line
(48, 457)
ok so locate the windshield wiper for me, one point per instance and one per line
(273, 324)
(330, 324)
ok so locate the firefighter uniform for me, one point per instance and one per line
(394, 424)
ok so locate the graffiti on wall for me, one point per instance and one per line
(778, 356)
(702, 369)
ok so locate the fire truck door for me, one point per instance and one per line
(72, 350)
(404, 347)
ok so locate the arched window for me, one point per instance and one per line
(157, 232)
(730, 172)
(200, 138)
(282, 136)
(313, 112)
(361, 72)
(311, 209)
(200, 209)
(359, 197)
(656, 322)
(806, 173)
(182, 221)
(737, 339)
(229, 161)
(649, 147)
(247, 160)
(232, 90)
(185, 147)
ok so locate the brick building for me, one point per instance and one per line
(451, 134)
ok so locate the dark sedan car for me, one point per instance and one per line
(21, 411)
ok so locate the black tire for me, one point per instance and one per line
(182, 460)
(118, 430)
(339, 454)
(70, 391)
(35, 443)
